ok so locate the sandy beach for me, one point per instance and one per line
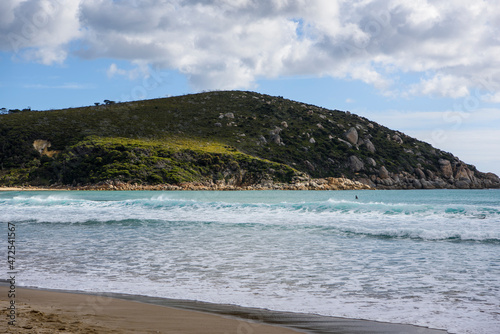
(40, 311)
(25, 189)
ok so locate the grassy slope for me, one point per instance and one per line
(180, 139)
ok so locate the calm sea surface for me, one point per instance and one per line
(428, 258)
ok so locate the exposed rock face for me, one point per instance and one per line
(492, 177)
(41, 145)
(419, 173)
(460, 184)
(355, 163)
(277, 140)
(275, 136)
(345, 142)
(369, 146)
(464, 174)
(371, 162)
(446, 168)
(383, 173)
(451, 175)
(352, 136)
(397, 139)
(491, 180)
(301, 183)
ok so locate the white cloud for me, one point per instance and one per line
(114, 70)
(492, 98)
(230, 44)
(39, 30)
(140, 71)
(442, 86)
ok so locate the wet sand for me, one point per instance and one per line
(40, 311)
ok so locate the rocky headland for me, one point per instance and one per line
(229, 140)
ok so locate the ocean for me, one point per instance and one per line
(423, 257)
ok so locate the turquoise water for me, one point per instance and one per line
(428, 258)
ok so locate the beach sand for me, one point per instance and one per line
(18, 189)
(41, 311)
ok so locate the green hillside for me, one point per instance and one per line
(234, 137)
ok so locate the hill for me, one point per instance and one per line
(219, 138)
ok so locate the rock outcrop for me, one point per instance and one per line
(352, 136)
(451, 175)
(355, 163)
(275, 136)
(329, 183)
(370, 146)
(446, 168)
(42, 147)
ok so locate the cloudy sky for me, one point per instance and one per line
(428, 68)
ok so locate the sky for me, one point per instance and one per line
(430, 69)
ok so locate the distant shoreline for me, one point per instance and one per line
(29, 189)
(313, 184)
(195, 188)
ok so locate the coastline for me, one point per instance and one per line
(76, 312)
(313, 184)
(31, 189)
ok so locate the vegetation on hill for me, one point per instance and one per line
(232, 136)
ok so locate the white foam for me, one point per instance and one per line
(416, 264)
